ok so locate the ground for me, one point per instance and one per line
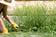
(28, 34)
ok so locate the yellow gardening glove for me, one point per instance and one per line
(5, 31)
(15, 25)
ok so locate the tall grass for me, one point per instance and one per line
(36, 18)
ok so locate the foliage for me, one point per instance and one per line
(35, 18)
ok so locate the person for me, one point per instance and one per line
(3, 10)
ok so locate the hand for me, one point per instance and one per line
(15, 25)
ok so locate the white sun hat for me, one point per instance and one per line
(11, 3)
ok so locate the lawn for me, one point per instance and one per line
(28, 34)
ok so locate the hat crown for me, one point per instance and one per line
(9, 1)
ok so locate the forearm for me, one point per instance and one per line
(12, 23)
(7, 18)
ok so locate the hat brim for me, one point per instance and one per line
(6, 3)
